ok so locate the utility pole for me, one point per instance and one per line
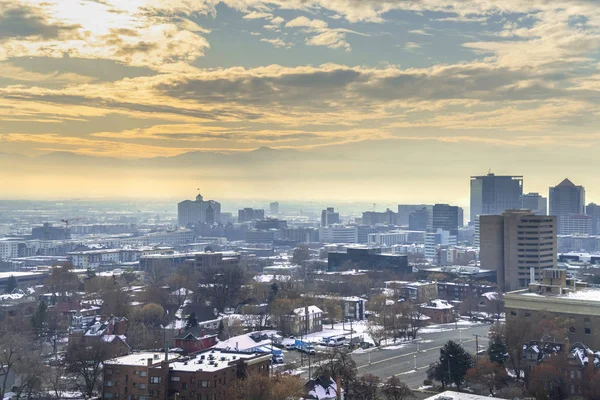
(476, 347)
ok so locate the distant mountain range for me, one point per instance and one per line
(263, 155)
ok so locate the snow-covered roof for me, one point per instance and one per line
(450, 395)
(311, 310)
(491, 296)
(438, 304)
(212, 360)
(141, 359)
(182, 292)
(323, 390)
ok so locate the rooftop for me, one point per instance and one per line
(582, 295)
(141, 359)
(213, 360)
(450, 395)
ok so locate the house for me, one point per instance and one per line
(439, 311)
(353, 307)
(111, 330)
(17, 305)
(194, 339)
(323, 388)
(302, 320)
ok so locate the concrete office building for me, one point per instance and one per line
(329, 217)
(566, 198)
(338, 234)
(421, 219)
(447, 217)
(593, 210)
(199, 211)
(369, 259)
(274, 208)
(404, 211)
(387, 217)
(576, 224)
(514, 243)
(535, 202)
(250, 214)
(558, 295)
(493, 194)
(435, 240)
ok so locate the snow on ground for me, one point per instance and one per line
(358, 328)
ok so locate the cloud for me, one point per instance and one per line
(258, 15)
(303, 22)
(331, 39)
(29, 22)
(323, 35)
(276, 42)
(420, 32)
(411, 46)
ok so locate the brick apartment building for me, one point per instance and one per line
(206, 375)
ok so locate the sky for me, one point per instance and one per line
(400, 99)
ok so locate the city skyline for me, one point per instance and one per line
(369, 92)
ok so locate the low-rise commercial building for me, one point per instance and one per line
(368, 259)
(560, 296)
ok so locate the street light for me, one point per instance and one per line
(415, 362)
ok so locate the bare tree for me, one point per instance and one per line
(394, 389)
(333, 309)
(487, 373)
(222, 284)
(365, 387)
(14, 348)
(85, 363)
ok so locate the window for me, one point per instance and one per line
(135, 372)
(184, 386)
(108, 383)
(513, 313)
(572, 329)
(142, 386)
(155, 379)
(203, 384)
(143, 373)
(109, 371)
(108, 395)
(143, 398)
(586, 319)
(588, 331)
(175, 379)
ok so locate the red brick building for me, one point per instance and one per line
(206, 375)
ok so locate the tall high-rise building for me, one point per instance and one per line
(274, 208)
(329, 217)
(387, 217)
(447, 218)
(199, 211)
(418, 219)
(404, 211)
(535, 202)
(493, 194)
(250, 214)
(566, 198)
(593, 210)
(515, 243)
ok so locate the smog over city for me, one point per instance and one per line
(299, 199)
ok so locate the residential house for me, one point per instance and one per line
(302, 320)
(439, 311)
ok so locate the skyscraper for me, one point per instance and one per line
(566, 198)
(493, 194)
(593, 210)
(199, 211)
(535, 202)
(329, 217)
(516, 242)
(404, 211)
(274, 208)
(447, 217)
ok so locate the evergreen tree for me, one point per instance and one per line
(11, 284)
(192, 322)
(453, 365)
(38, 320)
(497, 350)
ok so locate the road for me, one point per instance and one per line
(400, 360)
